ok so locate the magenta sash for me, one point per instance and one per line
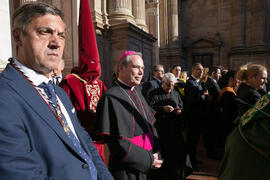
(145, 141)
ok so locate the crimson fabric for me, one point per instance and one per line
(84, 97)
(89, 64)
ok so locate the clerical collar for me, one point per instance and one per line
(197, 80)
(35, 77)
(127, 86)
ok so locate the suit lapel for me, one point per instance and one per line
(198, 84)
(72, 114)
(34, 100)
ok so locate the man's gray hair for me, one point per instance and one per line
(28, 11)
(169, 77)
(125, 61)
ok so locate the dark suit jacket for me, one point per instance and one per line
(149, 86)
(33, 144)
(212, 108)
(212, 88)
(193, 96)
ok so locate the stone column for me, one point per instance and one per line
(138, 11)
(164, 39)
(257, 25)
(238, 23)
(152, 17)
(173, 23)
(99, 13)
(120, 11)
(104, 12)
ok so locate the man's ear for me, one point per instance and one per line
(16, 33)
(120, 67)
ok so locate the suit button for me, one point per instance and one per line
(85, 166)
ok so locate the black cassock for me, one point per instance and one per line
(169, 127)
(125, 122)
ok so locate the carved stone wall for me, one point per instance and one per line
(231, 32)
(256, 47)
(238, 30)
(170, 46)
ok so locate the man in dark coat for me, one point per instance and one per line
(147, 87)
(125, 122)
(168, 105)
(195, 98)
(212, 111)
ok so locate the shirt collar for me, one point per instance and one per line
(35, 77)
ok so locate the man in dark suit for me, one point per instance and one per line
(40, 135)
(195, 98)
(212, 111)
(155, 83)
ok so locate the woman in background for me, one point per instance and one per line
(228, 106)
(253, 77)
(247, 149)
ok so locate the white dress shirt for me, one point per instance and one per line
(37, 79)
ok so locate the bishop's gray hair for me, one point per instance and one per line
(125, 61)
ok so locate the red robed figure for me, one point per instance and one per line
(83, 85)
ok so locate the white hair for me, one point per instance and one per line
(169, 77)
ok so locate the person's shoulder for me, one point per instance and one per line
(5, 88)
(175, 93)
(228, 94)
(147, 83)
(113, 90)
(71, 78)
(190, 79)
(7, 76)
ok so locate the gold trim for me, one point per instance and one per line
(75, 75)
(247, 116)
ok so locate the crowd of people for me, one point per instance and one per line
(152, 129)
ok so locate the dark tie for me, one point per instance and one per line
(56, 80)
(49, 90)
